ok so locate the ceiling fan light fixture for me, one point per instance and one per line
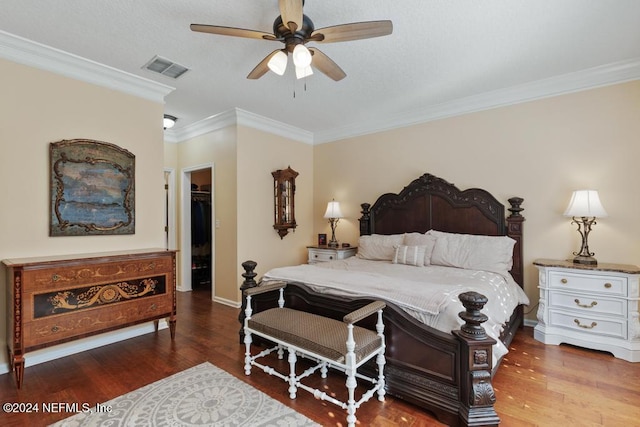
(301, 56)
(278, 63)
(302, 72)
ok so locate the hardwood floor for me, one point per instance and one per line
(536, 385)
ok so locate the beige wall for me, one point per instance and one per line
(259, 154)
(38, 107)
(219, 149)
(541, 151)
(243, 159)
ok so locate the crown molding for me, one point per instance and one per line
(255, 121)
(237, 116)
(27, 52)
(605, 75)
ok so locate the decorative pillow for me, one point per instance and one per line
(409, 255)
(488, 253)
(379, 247)
(420, 239)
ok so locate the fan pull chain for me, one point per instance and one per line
(294, 87)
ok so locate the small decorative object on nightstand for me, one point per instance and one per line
(326, 253)
(584, 208)
(590, 306)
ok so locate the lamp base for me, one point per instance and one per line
(585, 260)
(333, 244)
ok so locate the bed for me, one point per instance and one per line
(444, 366)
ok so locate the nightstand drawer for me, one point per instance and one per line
(321, 256)
(589, 324)
(610, 285)
(584, 304)
(324, 254)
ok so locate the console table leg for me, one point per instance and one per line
(172, 328)
(18, 369)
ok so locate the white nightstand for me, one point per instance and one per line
(325, 253)
(590, 306)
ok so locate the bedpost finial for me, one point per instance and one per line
(515, 208)
(473, 302)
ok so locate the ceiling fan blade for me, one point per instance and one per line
(231, 31)
(291, 13)
(262, 67)
(353, 31)
(326, 65)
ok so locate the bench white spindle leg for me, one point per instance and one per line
(380, 359)
(247, 338)
(280, 352)
(281, 298)
(352, 383)
(292, 373)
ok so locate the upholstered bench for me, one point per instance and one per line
(329, 342)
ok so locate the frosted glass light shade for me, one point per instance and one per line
(301, 56)
(168, 121)
(303, 72)
(333, 210)
(585, 203)
(278, 63)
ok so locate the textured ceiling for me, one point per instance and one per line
(441, 51)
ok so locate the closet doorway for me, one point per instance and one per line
(197, 230)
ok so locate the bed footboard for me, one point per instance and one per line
(448, 375)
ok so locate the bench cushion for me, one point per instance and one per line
(316, 334)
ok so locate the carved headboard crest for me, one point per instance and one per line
(430, 202)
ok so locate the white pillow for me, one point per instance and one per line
(379, 247)
(420, 239)
(488, 253)
(409, 255)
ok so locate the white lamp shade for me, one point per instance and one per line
(303, 72)
(301, 56)
(278, 63)
(333, 210)
(585, 203)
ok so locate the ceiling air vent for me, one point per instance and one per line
(165, 67)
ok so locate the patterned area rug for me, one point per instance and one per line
(200, 396)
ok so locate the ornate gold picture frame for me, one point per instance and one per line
(92, 186)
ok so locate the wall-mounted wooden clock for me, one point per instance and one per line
(284, 189)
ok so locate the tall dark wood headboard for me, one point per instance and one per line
(429, 202)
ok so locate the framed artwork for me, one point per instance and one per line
(92, 187)
(322, 240)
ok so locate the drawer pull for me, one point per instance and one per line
(593, 304)
(316, 256)
(153, 307)
(563, 281)
(55, 277)
(607, 285)
(55, 329)
(593, 324)
(331, 257)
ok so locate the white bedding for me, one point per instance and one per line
(429, 294)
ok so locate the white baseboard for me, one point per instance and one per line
(51, 353)
(228, 302)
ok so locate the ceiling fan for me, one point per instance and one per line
(295, 30)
